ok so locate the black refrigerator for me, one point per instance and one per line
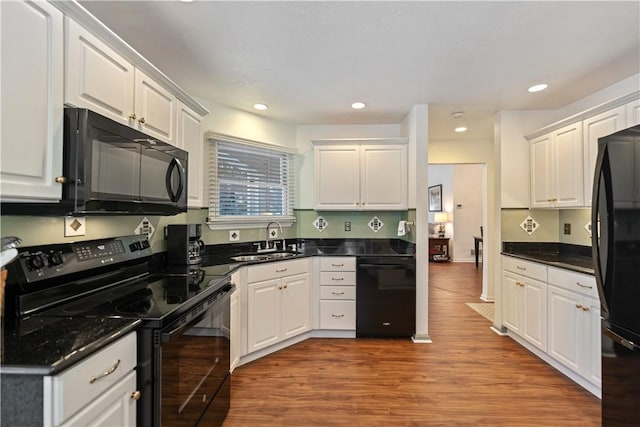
(616, 254)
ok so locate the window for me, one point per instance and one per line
(250, 183)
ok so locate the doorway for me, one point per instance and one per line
(464, 199)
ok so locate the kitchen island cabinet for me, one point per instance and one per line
(32, 101)
(360, 174)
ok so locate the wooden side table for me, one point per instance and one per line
(439, 249)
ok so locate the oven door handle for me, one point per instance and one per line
(176, 332)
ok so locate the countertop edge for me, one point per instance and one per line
(562, 265)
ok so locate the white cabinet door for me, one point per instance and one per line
(534, 316)
(383, 170)
(633, 113)
(116, 407)
(337, 177)
(513, 295)
(568, 164)
(31, 111)
(96, 76)
(541, 149)
(296, 311)
(155, 108)
(593, 128)
(189, 137)
(264, 308)
(566, 326)
(235, 329)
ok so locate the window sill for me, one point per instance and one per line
(242, 223)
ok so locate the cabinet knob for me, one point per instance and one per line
(578, 306)
(61, 179)
(280, 287)
(132, 116)
(142, 120)
(585, 308)
(285, 286)
(135, 395)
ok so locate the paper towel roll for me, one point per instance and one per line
(402, 228)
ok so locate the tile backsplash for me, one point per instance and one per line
(551, 225)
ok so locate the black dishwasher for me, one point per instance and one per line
(386, 296)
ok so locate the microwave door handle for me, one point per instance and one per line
(175, 163)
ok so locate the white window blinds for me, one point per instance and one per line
(250, 182)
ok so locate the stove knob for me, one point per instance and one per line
(35, 262)
(55, 258)
(135, 246)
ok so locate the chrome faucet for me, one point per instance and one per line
(268, 238)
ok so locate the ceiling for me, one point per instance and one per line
(309, 60)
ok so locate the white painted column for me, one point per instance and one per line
(416, 127)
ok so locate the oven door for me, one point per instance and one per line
(195, 361)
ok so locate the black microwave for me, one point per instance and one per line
(112, 169)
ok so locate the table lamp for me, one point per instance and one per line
(441, 218)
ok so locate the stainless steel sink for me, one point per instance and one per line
(278, 255)
(245, 258)
(264, 256)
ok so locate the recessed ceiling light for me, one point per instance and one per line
(260, 107)
(358, 105)
(460, 129)
(538, 87)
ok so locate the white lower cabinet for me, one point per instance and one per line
(99, 391)
(525, 308)
(574, 323)
(338, 293)
(278, 302)
(555, 311)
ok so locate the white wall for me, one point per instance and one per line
(443, 175)
(241, 124)
(468, 193)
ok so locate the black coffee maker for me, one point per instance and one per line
(184, 246)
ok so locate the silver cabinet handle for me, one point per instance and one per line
(521, 268)
(337, 265)
(337, 279)
(584, 286)
(337, 315)
(105, 373)
(337, 293)
(281, 271)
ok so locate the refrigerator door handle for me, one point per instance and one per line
(620, 340)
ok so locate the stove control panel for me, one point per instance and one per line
(46, 262)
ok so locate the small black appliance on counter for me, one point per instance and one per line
(184, 246)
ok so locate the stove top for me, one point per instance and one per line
(110, 278)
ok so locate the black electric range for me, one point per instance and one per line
(181, 310)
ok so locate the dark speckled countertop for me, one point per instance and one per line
(46, 345)
(570, 257)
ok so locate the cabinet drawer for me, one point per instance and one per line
(277, 269)
(572, 281)
(337, 263)
(338, 292)
(346, 278)
(83, 383)
(525, 268)
(338, 315)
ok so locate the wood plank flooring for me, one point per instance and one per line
(468, 376)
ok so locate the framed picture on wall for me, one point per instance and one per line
(435, 198)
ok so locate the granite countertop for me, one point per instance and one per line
(570, 257)
(48, 345)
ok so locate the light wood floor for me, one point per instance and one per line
(468, 376)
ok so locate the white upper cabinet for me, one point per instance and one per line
(633, 113)
(593, 128)
(357, 175)
(96, 76)
(32, 101)
(557, 168)
(155, 108)
(189, 137)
